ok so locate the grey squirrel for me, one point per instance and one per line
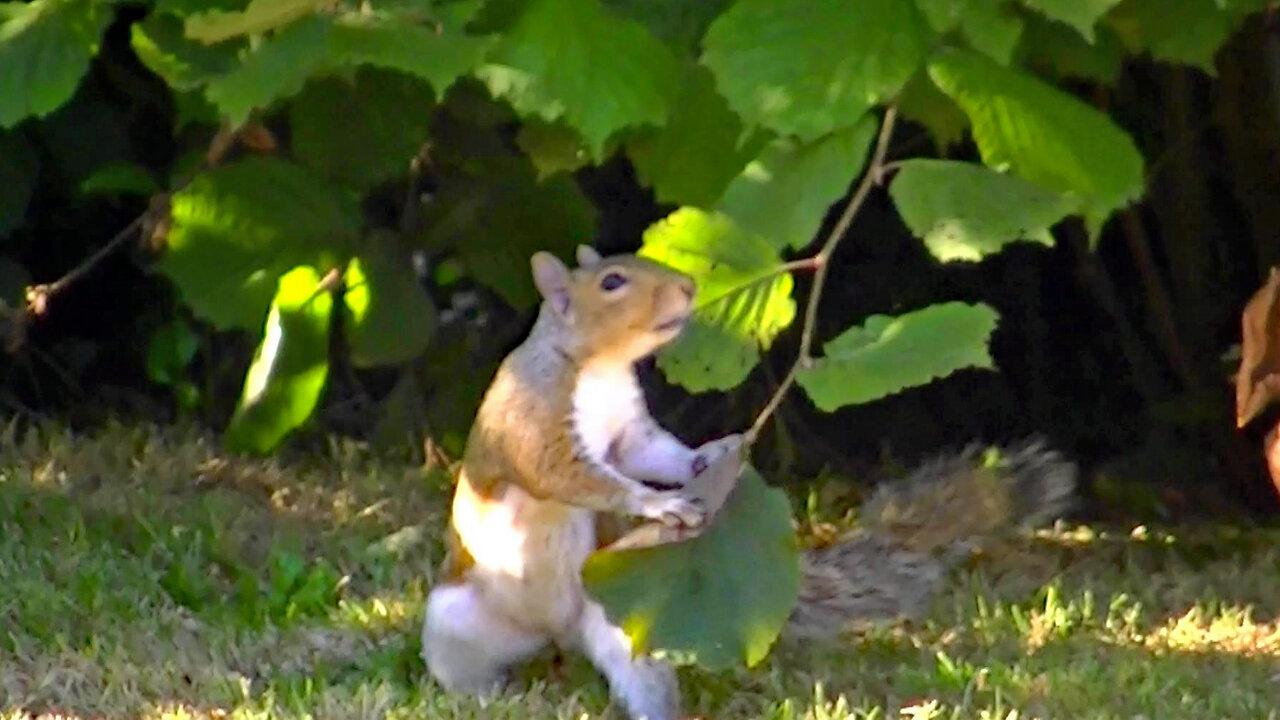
(563, 445)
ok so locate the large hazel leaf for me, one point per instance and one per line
(258, 17)
(45, 48)
(363, 130)
(280, 65)
(808, 67)
(1079, 14)
(291, 365)
(718, 599)
(1058, 51)
(1187, 31)
(886, 355)
(575, 60)
(744, 297)
(390, 316)
(691, 160)
(992, 27)
(679, 23)
(786, 191)
(234, 230)
(185, 64)
(1043, 134)
(964, 211)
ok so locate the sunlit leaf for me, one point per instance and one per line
(718, 599)
(964, 211)
(45, 48)
(613, 74)
(808, 67)
(184, 63)
(291, 365)
(258, 17)
(785, 192)
(1043, 134)
(280, 65)
(744, 297)
(237, 228)
(886, 355)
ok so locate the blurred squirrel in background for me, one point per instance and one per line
(563, 445)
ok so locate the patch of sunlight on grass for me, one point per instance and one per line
(1232, 630)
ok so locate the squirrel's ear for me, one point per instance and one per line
(587, 256)
(552, 279)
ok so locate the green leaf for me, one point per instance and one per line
(45, 48)
(743, 303)
(277, 68)
(438, 56)
(784, 193)
(184, 64)
(1043, 134)
(991, 27)
(361, 131)
(691, 160)
(288, 373)
(1079, 14)
(718, 599)
(921, 101)
(886, 355)
(552, 147)
(1057, 50)
(499, 196)
(1187, 31)
(679, 23)
(234, 230)
(169, 351)
(964, 211)
(808, 67)
(314, 45)
(121, 178)
(258, 17)
(391, 317)
(612, 74)
(19, 169)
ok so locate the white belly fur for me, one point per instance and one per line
(528, 558)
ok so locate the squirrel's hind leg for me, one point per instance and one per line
(645, 687)
(467, 646)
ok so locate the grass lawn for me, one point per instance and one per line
(143, 574)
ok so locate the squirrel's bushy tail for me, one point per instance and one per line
(913, 531)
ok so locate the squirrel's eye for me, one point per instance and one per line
(612, 282)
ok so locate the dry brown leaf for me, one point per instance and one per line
(1258, 380)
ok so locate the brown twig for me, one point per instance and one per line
(38, 295)
(821, 263)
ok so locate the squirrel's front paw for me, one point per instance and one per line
(711, 452)
(673, 509)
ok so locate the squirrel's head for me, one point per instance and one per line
(619, 308)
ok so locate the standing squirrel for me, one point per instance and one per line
(563, 445)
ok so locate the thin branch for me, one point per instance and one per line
(821, 263)
(38, 295)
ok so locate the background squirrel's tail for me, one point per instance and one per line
(912, 532)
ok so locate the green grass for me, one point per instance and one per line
(144, 574)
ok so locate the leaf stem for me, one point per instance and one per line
(821, 263)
